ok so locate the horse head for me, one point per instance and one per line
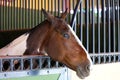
(64, 46)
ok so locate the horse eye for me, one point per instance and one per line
(66, 35)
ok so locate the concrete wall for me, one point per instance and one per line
(102, 72)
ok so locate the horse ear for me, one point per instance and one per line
(63, 15)
(48, 15)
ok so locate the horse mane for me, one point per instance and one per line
(42, 24)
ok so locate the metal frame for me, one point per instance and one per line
(108, 50)
(45, 67)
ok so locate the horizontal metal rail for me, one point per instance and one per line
(27, 63)
(103, 58)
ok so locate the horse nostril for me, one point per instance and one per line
(88, 68)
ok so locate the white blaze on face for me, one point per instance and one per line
(80, 43)
(16, 47)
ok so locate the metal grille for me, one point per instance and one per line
(27, 63)
(97, 22)
(29, 66)
(97, 25)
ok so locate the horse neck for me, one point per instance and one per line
(38, 38)
(14, 48)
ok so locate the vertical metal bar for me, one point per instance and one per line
(33, 19)
(109, 25)
(11, 64)
(55, 7)
(1, 65)
(17, 14)
(52, 7)
(98, 24)
(114, 25)
(29, 15)
(36, 10)
(41, 11)
(40, 62)
(93, 25)
(58, 7)
(118, 9)
(3, 16)
(57, 63)
(31, 63)
(87, 23)
(109, 29)
(26, 12)
(21, 14)
(22, 63)
(75, 13)
(48, 62)
(104, 26)
(12, 16)
(38, 13)
(63, 5)
(15, 27)
(7, 18)
(81, 21)
(0, 16)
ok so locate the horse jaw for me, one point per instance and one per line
(16, 47)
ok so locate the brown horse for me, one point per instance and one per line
(55, 38)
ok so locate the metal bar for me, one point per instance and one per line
(33, 19)
(2, 20)
(21, 64)
(29, 13)
(118, 9)
(23, 15)
(109, 29)
(55, 8)
(105, 54)
(20, 16)
(52, 9)
(7, 18)
(104, 24)
(114, 25)
(98, 24)
(38, 14)
(31, 63)
(15, 15)
(0, 16)
(58, 7)
(109, 25)
(26, 14)
(75, 13)
(81, 22)
(41, 11)
(11, 64)
(49, 64)
(1, 65)
(93, 25)
(3, 16)
(87, 23)
(35, 13)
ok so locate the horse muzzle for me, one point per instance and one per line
(83, 72)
